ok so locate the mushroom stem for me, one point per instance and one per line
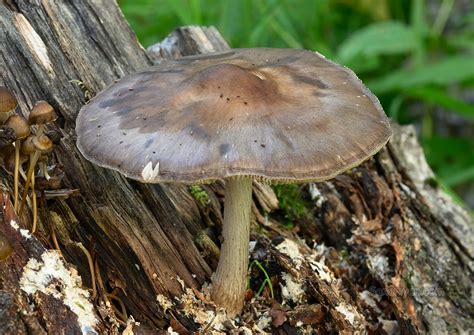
(40, 130)
(22, 173)
(35, 206)
(230, 279)
(44, 170)
(31, 170)
(16, 173)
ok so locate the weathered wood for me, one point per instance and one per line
(142, 235)
(381, 247)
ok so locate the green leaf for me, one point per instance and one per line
(192, 14)
(451, 158)
(418, 17)
(447, 71)
(461, 177)
(379, 38)
(439, 97)
(462, 41)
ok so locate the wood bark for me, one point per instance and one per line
(379, 249)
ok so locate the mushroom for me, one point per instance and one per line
(22, 130)
(272, 115)
(41, 114)
(42, 143)
(7, 103)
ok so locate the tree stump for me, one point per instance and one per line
(380, 249)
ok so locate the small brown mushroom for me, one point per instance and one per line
(22, 130)
(42, 144)
(274, 115)
(7, 103)
(41, 114)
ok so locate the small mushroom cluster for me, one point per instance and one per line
(20, 145)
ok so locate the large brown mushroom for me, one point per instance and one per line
(275, 115)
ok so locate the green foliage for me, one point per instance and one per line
(199, 194)
(408, 54)
(291, 203)
(267, 280)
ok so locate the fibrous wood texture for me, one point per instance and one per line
(381, 248)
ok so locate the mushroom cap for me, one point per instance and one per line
(27, 146)
(42, 143)
(42, 113)
(19, 125)
(7, 101)
(9, 161)
(280, 115)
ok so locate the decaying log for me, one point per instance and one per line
(380, 248)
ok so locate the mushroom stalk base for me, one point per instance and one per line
(230, 279)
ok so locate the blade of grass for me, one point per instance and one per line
(460, 177)
(442, 17)
(450, 70)
(379, 38)
(438, 97)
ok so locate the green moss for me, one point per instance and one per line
(344, 253)
(292, 203)
(432, 182)
(199, 194)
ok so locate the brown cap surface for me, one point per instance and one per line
(7, 101)
(42, 143)
(42, 113)
(27, 146)
(277, 114)
(19, 125)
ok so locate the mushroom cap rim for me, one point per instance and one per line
(188, 179)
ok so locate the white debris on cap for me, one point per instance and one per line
(51, 277)
(149, 173)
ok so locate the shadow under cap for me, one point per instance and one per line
(281, 115)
